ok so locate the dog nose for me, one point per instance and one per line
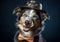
(28, 23)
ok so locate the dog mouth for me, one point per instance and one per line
(26, 28)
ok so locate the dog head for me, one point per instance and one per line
(29, 20)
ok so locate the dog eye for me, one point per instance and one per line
(24, 15)
(35, 18)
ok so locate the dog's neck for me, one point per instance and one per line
(28, 34)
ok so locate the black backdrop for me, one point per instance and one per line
(7, 20)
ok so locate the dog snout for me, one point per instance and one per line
(27, 23)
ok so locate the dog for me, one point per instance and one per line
(30, 22)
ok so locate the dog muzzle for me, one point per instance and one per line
(28, 24)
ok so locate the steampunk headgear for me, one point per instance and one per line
(31, 5)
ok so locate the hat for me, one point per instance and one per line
(30, 5)
(34, 5)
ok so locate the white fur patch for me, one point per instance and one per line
(29, 33)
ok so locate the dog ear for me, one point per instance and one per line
(45, 16)
(17, 11)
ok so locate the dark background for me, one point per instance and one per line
(7, 19)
